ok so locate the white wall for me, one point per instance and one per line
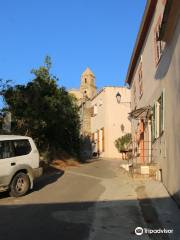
(110, 116)
(164, 76)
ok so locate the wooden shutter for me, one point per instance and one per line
(98, 140)
(155, 120)
(92, 137)
(153, 124)
(103, 145)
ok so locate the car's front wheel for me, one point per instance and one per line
(20, 185)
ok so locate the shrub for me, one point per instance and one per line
(123, 143)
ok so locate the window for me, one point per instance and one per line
(95, 109)
(22, 147)
(158, 45)
(98, 140)
(85, 80)
(134, 93)
(158, 117)
(103, 144)
(92, 137)
(6, 149)
(140, 81)
(100, 102)
(14, 148)
(153, 124)
(161, 113)
(85, 93)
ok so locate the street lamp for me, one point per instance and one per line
(118, 97)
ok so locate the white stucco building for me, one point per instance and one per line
(154, 79)
(109, 119)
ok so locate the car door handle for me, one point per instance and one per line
(13, 164)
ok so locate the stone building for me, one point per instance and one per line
(154, 78)
(84, 95)
(87, 88)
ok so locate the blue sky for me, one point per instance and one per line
(75, 33)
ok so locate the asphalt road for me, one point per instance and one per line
(61, 206)
(92, 202)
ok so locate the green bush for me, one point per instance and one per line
(122, 144)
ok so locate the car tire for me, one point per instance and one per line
(20, 185)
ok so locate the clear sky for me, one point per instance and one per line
(75, 33)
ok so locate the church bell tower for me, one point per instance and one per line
(88, 87)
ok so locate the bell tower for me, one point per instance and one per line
(88, 87)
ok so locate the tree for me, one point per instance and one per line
(4, 84)
(45, 112)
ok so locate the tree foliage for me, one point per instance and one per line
(123, 143)
(45, 112)
(4, 84)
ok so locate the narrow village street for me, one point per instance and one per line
(96, 200)
(89, 120)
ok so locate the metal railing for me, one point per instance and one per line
(151, 153)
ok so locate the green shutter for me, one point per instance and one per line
(163, 108)
(162, 112)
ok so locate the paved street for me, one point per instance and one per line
(94, 201)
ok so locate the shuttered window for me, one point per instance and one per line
(103, 145)
(158, 112)
(95, 109)
(153, 123)
(162, 111)
(158, 44)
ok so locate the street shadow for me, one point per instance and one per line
(4, 195)
(117, 219)
(91, 160)
(50, 176)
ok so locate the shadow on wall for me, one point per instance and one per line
(117, 220)
(166, 58)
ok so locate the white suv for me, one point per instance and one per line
(19, 164)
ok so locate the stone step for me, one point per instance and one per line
(144, 171)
